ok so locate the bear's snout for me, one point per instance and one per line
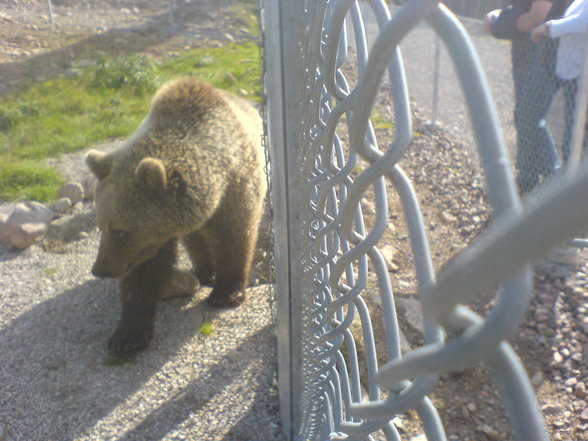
(100, 271)
(104, 269)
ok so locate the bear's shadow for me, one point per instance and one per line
(58, 372)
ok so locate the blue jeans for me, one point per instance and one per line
(535, 85)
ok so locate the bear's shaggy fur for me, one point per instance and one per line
(193, 171)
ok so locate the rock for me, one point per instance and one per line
(571, 381)
(400, 424)
(576, 356)
(447, 217)
(72, 190)
(551, 409)
(421, 437)
(491, 433)
(26, 225)
(62, 206)
(584, 415)
(30, 212)
(388, 252)
(367, 207)
(557, 358)
(411, 309)
(537, 379)
(21, 236)
(580, 391)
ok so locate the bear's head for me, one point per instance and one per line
(132, 209)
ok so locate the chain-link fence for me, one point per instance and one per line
(386, 225)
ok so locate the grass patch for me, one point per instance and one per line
(24, 179)
(246, 15)
(234, 67)
(101, 102)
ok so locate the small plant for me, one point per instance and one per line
(50, 271)
(132, 73)
(206, 329)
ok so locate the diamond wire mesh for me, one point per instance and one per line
(349, 381)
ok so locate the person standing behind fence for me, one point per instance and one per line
(572, 31)
(535, 83)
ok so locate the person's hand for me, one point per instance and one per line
(539, 32)
(490, 19)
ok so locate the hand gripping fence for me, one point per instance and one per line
(326, 254)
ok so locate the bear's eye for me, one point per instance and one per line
(119, 234)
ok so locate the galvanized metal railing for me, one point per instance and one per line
(325, 157)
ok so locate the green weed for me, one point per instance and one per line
(133, 73)
(206, 329)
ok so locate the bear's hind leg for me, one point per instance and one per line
(232, 248)
(139, 291)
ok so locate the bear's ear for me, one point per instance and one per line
(99, 163)
(151, 173)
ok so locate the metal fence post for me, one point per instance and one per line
(274, 105)
(280, 21)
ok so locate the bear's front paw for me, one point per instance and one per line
(127, 341)
(225, 300)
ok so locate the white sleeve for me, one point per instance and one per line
(576, 23)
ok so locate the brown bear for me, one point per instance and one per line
(193, 171)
